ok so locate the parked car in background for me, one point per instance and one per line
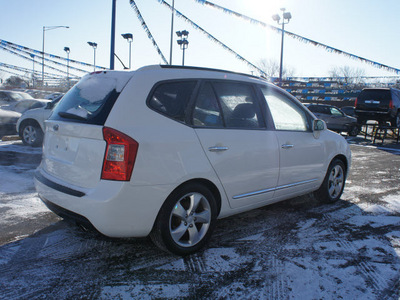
(166, 150)
(55, 95)
(379, 104)
(22, 106)
(335, 119)
(8, 119)
(9, 97)
(30, 125)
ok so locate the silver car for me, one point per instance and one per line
(335, 119)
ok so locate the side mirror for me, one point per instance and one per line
(49, 105)
(319, 125)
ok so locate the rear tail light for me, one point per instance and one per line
(120, 155)
(355, 103)
(391, 104)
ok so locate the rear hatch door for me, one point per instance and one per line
(374, 100)
(74, 146)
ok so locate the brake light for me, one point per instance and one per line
(355, 103)
(391, 104)
(120, 155)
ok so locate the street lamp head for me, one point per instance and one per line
(179, 33)
(127, 36)
(94, 45)
(185, 33)
(45, 28)
(276, 17)
(287, 16)
(66, 49)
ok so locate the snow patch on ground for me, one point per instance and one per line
(18, 209)
(12, 182)
(18, 147)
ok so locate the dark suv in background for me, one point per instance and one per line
(379, 104)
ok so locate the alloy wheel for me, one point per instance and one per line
(190, 219)
(29, 134)
(336, 181)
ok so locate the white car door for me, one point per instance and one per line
(302, 153)
(244, 154)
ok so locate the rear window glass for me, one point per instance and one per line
(379, 95)
(171, 98)
(90, 100)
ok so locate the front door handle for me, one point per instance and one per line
(217, 149)
(287, 146)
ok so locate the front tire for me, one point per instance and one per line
(32, 134)
(332, 187)
(186, 220)
(354, 130)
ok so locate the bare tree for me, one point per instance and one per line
(348, 75)
(271, 68)
(16, 81)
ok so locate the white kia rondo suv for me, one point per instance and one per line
(165, 151)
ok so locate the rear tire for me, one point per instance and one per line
(332, 187)
(396, 121)
(31, 134)
(186, 220)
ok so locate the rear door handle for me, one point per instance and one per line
(217, 149)
(287, 146)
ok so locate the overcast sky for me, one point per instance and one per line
(366, 28)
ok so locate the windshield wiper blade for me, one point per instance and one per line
(70, 116)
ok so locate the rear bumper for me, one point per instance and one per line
(115, 209)
(67, 214)
(374, 115)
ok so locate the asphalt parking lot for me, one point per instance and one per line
(297, 249)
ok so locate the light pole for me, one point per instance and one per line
(46, 28)
(286, 16)
(172, 32)
(183, 42)
(33, 70)
(112, 48)
(66, 49)
(129, 38)
(94, 45)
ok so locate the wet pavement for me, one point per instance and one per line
(297, 249)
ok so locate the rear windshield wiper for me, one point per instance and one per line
(70, 116)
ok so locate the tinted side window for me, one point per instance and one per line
(207, 111)
(285, 113)
(240, 107)
(335, 112)
(172, 98)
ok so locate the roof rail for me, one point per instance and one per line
(208, 69)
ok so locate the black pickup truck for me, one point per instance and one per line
(379, 104)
